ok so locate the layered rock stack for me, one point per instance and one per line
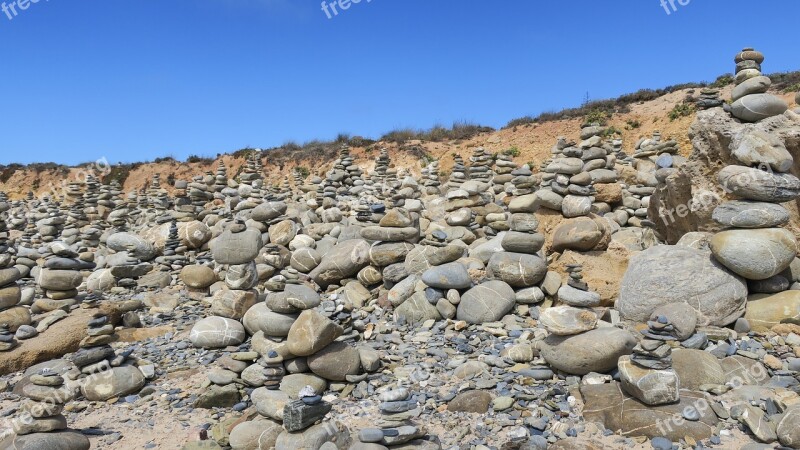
(754, 246)
(648, 374)
(220, 180)
(396, 407)
(10, 294)
(236, 249)
(431, 182)
(458, 174)
(481, 165)
(504, 165)
(751, 102)
(709, 98)
(41, 423)
(60, 278)
(576, 292)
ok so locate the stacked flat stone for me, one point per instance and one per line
(481, 165)
(251, 183)
(40, 413)
(648, 374)
(7, 339)
(635, 203)
(709, 98)
(201, 191)
(382, 163)
(95, 353)
(397, 408)
(568, 175)
(751, 102)
(220, 178)
(458, 175)
(431, 182)
(60, 278)
(182, 204)
(504, 165)
(647, 147)
(273, 370)
(576, 292)
(523, 181)
(754, 246)
(174, 257)
(235, 250)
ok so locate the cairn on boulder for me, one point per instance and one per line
(753, 245)
(751, 102)
(648, 374)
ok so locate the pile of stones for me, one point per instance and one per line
(709, 98)
(751, 102)
(481, 165)
(458, 174)
(430, 175)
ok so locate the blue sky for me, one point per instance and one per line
(131, 80)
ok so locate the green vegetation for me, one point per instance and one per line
(611, 131)
(723, 81)
(632, 124)
(681, 110)
(199, 159)
(303, 171)
(597, 116)
(459, 131)
(512, 152)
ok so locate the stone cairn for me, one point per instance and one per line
(504, 165)
(10, 292)
(753, 219)
(41, 411)
(576, 292)
(481, 165)
(431, 182)
(220, 180)
(709, 98)
(751, 102)
(241, 274)
(458, 175)
(60, 278)
(396, 408)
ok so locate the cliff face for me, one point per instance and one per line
(686, 199)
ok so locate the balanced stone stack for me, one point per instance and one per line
(182, 204)
(397, 408)
(200, 192)
(458, 175)
(653, 146)
(304, 412)
(481, 165)
(236, 249)
(504, 165)
(709, 98)
(382, 163)
(523, 181)
(10, 293)
(648, 374)
(754, 246)
(431, 182)
(220, 180)
(40, 422)
(250, 183)
(60, 278)
(751, 102)
(576, 292)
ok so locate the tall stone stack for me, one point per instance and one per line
(481, 165)
(10, 293)
(504, 166)
(754, 246)
(220, 180)
(431, 182)
(458, 175)
(236, 250)
(200, 192)
(60, 278)
(647, 374)
(251, 183)
(751, 101)
(565, 176)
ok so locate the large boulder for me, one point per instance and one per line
(487, 302)
(753, 184)
(609, 405)
(755, 254)
(217, 332)
(755, 107)
(311, 332)
(764, 311)
(671, 274)
(236, 248)
(416, 310)
(519, 270)
(696, 368)
(335, 362)
(597, 350)
(581, 234)
(135, 245)
(116, 382)
(344, 260)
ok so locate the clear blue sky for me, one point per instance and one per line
(132, 80)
